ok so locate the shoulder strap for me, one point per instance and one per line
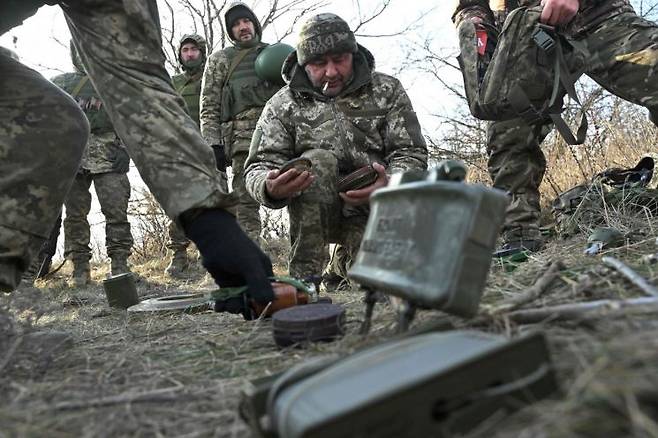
(235, 62)
(79, 86)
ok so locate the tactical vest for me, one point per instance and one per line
(244, 89)
(189, 87)
(79, 87)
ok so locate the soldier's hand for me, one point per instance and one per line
(362, 196)
(231, 257)
(557, 12)
(287, 184)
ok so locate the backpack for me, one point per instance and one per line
(523, 71)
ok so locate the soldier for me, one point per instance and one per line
(232, 99)
(105, 163)
(43, 133)
(192, 58)
(621, 56)
(342, 115)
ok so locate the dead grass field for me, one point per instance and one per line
(180, 375)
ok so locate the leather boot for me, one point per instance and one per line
(178, 265)
(81, 273)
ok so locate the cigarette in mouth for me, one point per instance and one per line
(325, 87)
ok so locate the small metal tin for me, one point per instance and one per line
(301, 164)
(120, 290)
(360, 178)
(311, 323)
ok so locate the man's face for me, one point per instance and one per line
(189, 52)
(330, 73)
(243, 30)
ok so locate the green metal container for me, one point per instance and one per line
(120, 290)
(430, 241)
(433, 385)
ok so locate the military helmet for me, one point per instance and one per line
(8, 52)
(196, 39)
(270, 60)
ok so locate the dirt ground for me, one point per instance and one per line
(181, 374)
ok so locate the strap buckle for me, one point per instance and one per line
(543, 37)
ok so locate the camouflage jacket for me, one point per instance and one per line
(104, 152)
(591, 13)
(236, 133)
(371, 120)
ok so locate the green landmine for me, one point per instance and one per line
(430, 241)
(453, 381)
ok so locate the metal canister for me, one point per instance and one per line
(429, 239)
(120, 290)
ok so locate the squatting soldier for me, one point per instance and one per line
(232, 99)
(105, 163)
(622, 56)
(43, 133)
(342, 115)
(192, 59)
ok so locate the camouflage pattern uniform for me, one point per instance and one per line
(372, 119)
(43, 131)
(621, 55)
(188, 85)
(105, 163)
(231, 106)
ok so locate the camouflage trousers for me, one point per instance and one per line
(113, 191)
(319, 217)
(621, 56)
(248, 209)
(43, 132)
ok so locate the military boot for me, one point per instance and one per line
(178, 265)
(119, 265)
(81, 273)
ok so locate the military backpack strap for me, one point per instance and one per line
(520, 101)
(78, 87)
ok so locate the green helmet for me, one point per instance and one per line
(270, 60)
(8, 52)
(200, 43)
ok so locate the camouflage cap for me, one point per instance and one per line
(196, 39)
(322, 34)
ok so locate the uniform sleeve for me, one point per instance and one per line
(405, 147)
(272, 145)
(211, 98)
(462, 8)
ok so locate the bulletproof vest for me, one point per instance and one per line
(189, 87)
(80, 88)
(245, 89)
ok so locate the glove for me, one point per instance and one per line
(237, 306)
(220, 157)
(231, 257)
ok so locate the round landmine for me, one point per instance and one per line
(301, 164)
(358, 179)
(187, 303)
(312, 323)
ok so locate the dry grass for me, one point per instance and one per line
(180, 375)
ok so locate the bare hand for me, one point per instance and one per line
(557, 12)
(287, 184)
(362, 196)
